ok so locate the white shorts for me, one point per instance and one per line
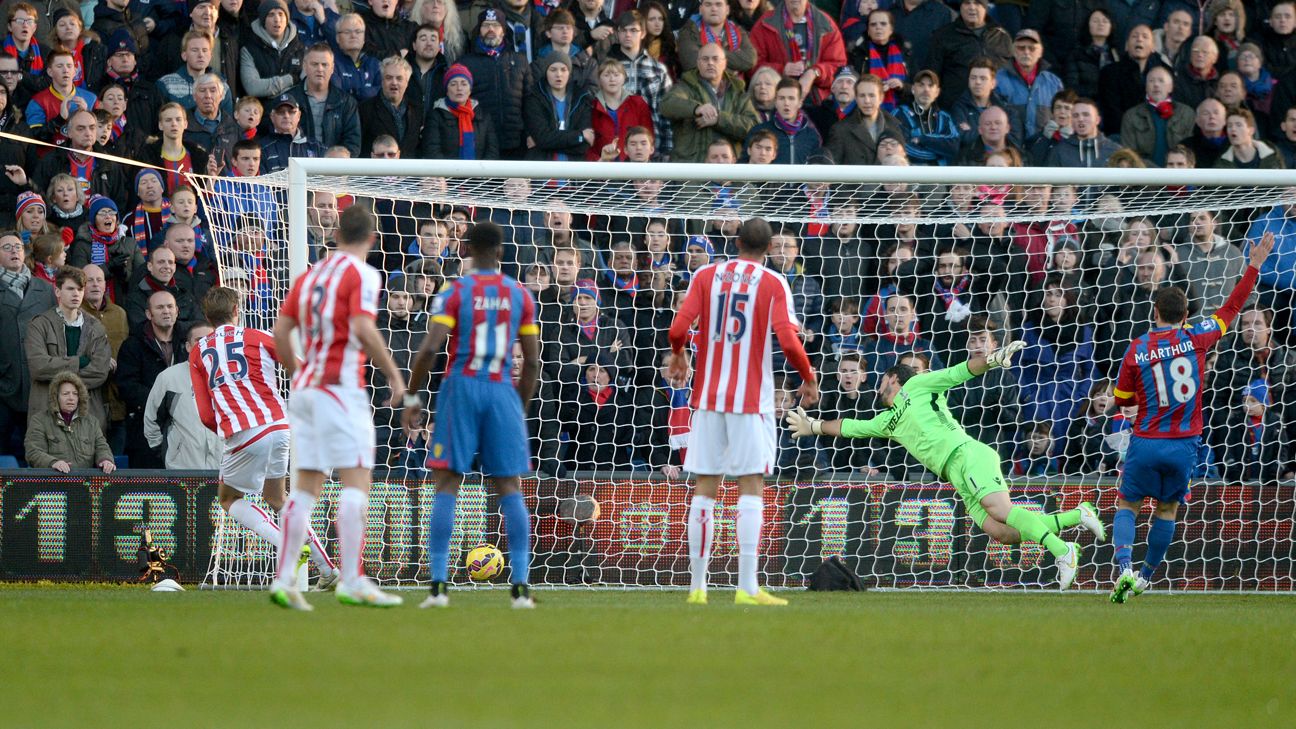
(332, 427)
(253, 456)
(731, 444)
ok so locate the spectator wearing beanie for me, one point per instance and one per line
(111, 16)
(142, 97)
(149, 218)
(501, 78)
(557, 113)
(456, 127)
(102, 241)
(270, 61)
(30, 211)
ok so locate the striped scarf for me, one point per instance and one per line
(731, 41)
(144, 226)
(118, 128)
(628, 284)
(796, 53)
(79, 78)
(37, 64)
(176, 169)
(888, 67)
(791, 128)
(951, 294)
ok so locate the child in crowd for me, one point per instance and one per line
(843, 334)
(48, 256)
(1256, 450)
(1033, 455)
(184, 210)
(1087, 450)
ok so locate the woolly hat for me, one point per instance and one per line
(145, 173)
(458, 70)
(1258, 389)
(26, 200)
(701, 241)
(268, 6)
(121, 40)
(556, 57)
(489, 15)
(99, 203)
(586, 287)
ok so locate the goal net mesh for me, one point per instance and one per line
(897, 272)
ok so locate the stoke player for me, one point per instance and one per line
(235, 375)
(332, 310)
(918, 417)
(1161, 374)
(479, 413)
(738, 305)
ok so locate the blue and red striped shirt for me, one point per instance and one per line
(486, 312)
(1163, 370)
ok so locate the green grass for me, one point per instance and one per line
(126, 657)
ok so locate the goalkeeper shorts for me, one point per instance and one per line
(975, 472)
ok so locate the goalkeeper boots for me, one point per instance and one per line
(1068, 565)
(761, 598)
(438, 597)
(290, 598)
(1124, 587)
(522, 599)
(1089, 520)
(365, 593)
(697, 597)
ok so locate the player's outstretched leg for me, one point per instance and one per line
(701, 535)
(1033, 529)
(517, 525)
(751, 519)
(440, 528)
(1084, 515)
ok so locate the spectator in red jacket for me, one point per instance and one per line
(799, 40)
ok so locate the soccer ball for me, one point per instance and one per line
(484, 563)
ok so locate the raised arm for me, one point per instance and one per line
(1242, 290)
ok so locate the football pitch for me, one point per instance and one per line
(118, 656)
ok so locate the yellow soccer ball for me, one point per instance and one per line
(484, 563)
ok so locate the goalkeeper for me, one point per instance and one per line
(918, 417)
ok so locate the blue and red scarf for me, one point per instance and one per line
(796, 53)
(463, 114)
(628, 284)
(147, 224)
(492, 51)
(888, 66)
(590, 330)
(793, 127)
(731, 41)
(951, 294)
(33, 54)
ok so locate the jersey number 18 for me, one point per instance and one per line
(1183, 385)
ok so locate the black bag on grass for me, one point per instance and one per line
(834, 576)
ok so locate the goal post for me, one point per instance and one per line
(884, 262)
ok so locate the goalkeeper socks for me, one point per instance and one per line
(292, 524)
(353, 508)
(439, 530)
(1123, 537)
(1159, 538)
(517, 524)
(701, 532)
(750, 521)
(1055, 523)
(1033, 529)
(255, 519)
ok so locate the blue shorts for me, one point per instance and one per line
(475, 418)
(1158, 468)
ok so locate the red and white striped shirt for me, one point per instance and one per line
(235, 374)
(323, 300)
(737, 305)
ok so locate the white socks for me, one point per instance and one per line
(292, 523)
(256, 519)
(701, 534)
(750, 520)
(318, 554)
(353, 508)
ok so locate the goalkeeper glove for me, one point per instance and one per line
(803, 425)
(1002, 357)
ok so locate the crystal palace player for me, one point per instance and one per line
(333, 306)
(479, 413)
(737, 305)
(1162, 375)
(918, 418)
(235, 374)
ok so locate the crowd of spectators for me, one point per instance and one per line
(103, 264)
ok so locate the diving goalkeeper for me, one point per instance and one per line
(918, 417)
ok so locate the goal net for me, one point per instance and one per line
(887, 265)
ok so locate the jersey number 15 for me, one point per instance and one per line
(730, 316)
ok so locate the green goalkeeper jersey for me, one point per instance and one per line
(920, 419)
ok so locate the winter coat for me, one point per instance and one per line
(1123, 85)
(361, 78)
(1074, 152)
(954, 47)
(1279, 51)
(267, 68)
(107, 20)
(113, 319)
(385, 37)
(218, 140)
(15, 319)
(1083, 67)
(1126, 14)
(851, 142)
(650, 79)
(1138, 128)
(1087, 448)
(108, 180)
(378, 118)
(1263, 460)
(172, 424)
(46, 349)
(1268, 158)
(965, 112)
(689, 41)
(140, 362)
(736, 115)
(793, 149)
(599, 433)
(917, 26)
(1032, 101)
(554, 136)
(499, 84)
(773, 51)
(137, 295)
(884, 352)
(123, 258)
(277, 149)
(1054, 383)
(633, 112)
(341, 123)
(1279, 269)
(81, 443)
(1214, 272)
(931, 137)
(151, 154)
(441, 134)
